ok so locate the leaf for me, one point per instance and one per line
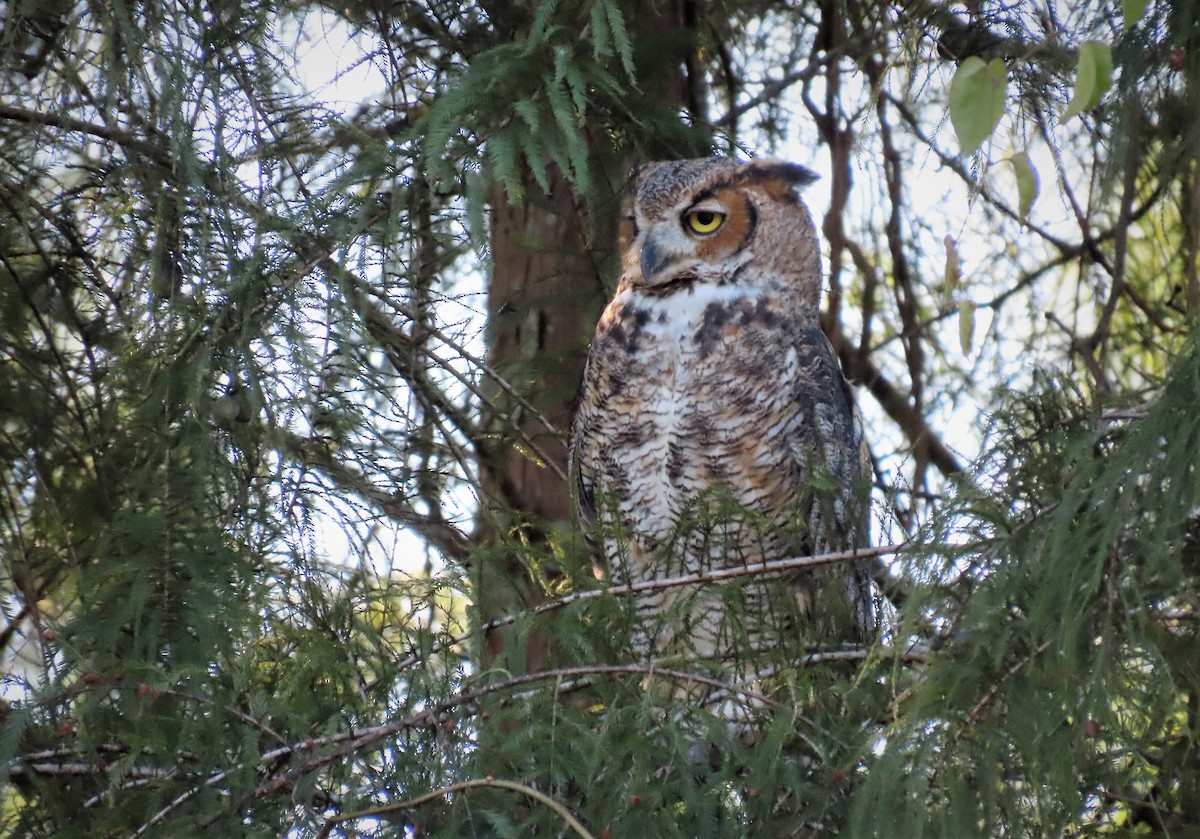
(503, 155)
(541, 19)
(600, 35)
(477, 199)
(1093, 76)
(977, 97)
(578, 85)
(620, 35)
(535, 159)
(953, 270)
(1027, 182)
(966, 326)
(13, 727)
(529, 113)
(1132, 11)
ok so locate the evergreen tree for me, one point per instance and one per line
(286, 545)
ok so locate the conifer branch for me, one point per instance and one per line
(392, 334)
(350, 742)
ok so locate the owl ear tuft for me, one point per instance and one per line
(784, 181)
(769, 169)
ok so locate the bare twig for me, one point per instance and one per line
(769, 92)
(390, 333)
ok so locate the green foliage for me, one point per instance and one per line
(529, 101)
(253, 532)
(1065, 689)
(1132, 10)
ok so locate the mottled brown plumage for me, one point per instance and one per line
(715, 428)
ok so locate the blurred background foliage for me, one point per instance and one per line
(294, 301)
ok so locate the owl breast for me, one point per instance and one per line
(696, 388)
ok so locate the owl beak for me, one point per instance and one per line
(654, 257)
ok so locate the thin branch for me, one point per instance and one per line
(896, 405)
(993, 690)
(69, 123)
(452, 542)
(559, 809)
(902, 277)
(954, 163)
(769, 92)
(581, 675)
(485, 368)
(717, 575)
(388, 331)
(1080, 346)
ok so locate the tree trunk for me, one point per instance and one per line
(544, 294)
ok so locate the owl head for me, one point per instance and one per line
(722, 221)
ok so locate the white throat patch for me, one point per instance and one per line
(680, 313)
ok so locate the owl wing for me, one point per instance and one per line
(829, 442)
(584, 450)
(582, 491)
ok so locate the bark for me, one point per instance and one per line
(544, 294)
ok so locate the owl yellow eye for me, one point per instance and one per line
(704, 221)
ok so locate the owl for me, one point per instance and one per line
(715, 429)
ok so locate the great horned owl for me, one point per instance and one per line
(715, 428)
